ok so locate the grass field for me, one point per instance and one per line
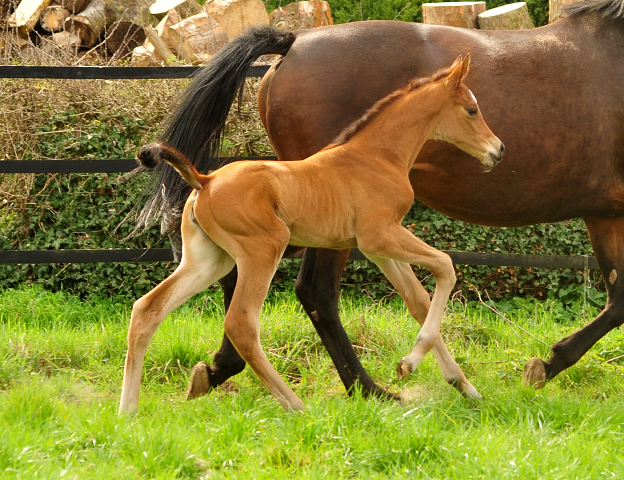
(61, 362)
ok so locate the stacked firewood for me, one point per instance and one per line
(150, 32)
(191, 33)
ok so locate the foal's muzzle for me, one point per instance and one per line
(495, 155)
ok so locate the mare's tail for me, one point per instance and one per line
(153, 154)
(196, 126)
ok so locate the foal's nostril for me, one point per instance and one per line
(502, 149)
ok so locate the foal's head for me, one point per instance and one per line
(461, 122)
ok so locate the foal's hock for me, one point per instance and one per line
(352, 193)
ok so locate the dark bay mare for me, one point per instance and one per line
(554, 95)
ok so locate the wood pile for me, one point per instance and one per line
(147, 32)
(514, 16)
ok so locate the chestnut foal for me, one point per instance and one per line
(353, 193)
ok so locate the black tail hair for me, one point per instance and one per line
(196, 126)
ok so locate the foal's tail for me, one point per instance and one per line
(195, 127)
(153, 154)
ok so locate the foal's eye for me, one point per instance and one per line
(472, 112)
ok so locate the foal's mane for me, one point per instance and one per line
(382, 104)
(613, 9)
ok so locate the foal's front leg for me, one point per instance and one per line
(397, 243)
(417, 300)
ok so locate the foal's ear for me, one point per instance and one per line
(459, 70)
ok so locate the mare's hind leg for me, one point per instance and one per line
(203, 263)
(397, 243)
(607, 237)
(417, 300)
(318, 290)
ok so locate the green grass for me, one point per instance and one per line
(61, 363)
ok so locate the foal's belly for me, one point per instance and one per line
(322, 234)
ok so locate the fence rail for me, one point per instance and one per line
(126, 165)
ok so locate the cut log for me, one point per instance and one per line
(52, 19)
(74, 6)
(235, 16)
(185, 8)
(66, 39)
(91, 23)
(196, 37)
(27, 14)
(514, 16)
(301, 15)
(161, 49)
(143, 57)
(123, 37)
(453, 14)
(555, 8)
(166, 23)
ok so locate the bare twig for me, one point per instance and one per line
(497, 312)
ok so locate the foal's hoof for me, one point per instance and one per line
(200, 383)
(404, 368)
(534, 374)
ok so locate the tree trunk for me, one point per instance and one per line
(514, 16)
(555, 8)
(52, 19)
(197, 36)
(91, 23)
(453, 14)
(184, 8)
(27, 14)
(235, 16)
(123, 37)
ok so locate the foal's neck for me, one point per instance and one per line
(399, 131)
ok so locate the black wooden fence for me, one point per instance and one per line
(581, 262)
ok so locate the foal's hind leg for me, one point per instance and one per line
(242, 324)
(607, 237)
(417, 300)
(203, 263)
(226, 363)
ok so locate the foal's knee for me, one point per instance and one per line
(444, 271)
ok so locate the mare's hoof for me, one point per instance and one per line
(534, 374)
(404, 369)
(200, 383)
